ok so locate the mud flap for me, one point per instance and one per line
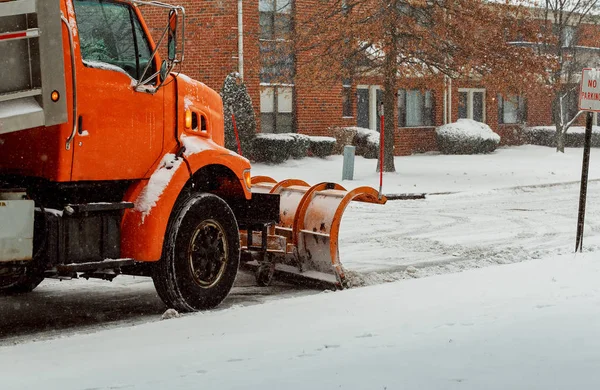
(310, 218)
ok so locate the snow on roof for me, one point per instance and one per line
(468, 128)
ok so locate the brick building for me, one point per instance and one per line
(224, 36)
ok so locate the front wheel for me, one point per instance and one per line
(201, 255)
(18, 280)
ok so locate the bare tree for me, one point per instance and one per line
(563, 22)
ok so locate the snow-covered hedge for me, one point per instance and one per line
(546, 136)
(276, 148)
(301, 145)
(273, 148)
(321, 146)
(365, 140)
(466, 136)
(237, 100)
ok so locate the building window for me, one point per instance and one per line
(347, 101)
(275, 19)
(415, 108)
(471, 104)
(276, 50)
(277, 109)
(511, 109)
(277, 66)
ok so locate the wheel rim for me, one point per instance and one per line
(207, 253)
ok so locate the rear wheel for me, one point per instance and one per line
(18, 280)
(201, 254)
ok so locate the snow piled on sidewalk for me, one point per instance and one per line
(531, 325)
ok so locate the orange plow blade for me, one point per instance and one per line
(305, 242)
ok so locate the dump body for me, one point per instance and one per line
(32, 67)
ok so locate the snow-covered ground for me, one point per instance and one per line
(532, 325)
(433, 173)
(527, 325)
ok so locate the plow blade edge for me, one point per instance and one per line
(304, 245)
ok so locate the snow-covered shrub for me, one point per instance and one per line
(272, 148)
(365, 140)
(466, 136)
(321, 146)
(343, 136)
(301, 145)
(237, 100)
(540, 135)
(546, 136)
(367, 143)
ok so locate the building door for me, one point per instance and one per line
(362, 107)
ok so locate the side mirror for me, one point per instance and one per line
(172, 43)
(164, 71)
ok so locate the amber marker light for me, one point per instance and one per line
(248, 179)
(188, 119)
(55, 96)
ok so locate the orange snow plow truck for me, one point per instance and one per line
(112, 163)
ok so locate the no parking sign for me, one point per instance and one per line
(589, 90)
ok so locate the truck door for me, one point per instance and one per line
(120, 130)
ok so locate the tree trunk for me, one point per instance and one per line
(559, 136)
(560, 139)
(389, 102)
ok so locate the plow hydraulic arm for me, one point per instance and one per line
(303, 246)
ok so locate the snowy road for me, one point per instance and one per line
(403, 239)
(529, 326)
(79, 306)
(466, 230)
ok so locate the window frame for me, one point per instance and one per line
(470, 92)
(427, 113)
(275, 104)
(521, 103)
(277, 57)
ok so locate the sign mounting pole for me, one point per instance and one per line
(584, 181)
(589, 100)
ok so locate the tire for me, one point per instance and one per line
(201, 254)
(19, 281)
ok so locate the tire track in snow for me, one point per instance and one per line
(460, 231)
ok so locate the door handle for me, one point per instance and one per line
(80, 130)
